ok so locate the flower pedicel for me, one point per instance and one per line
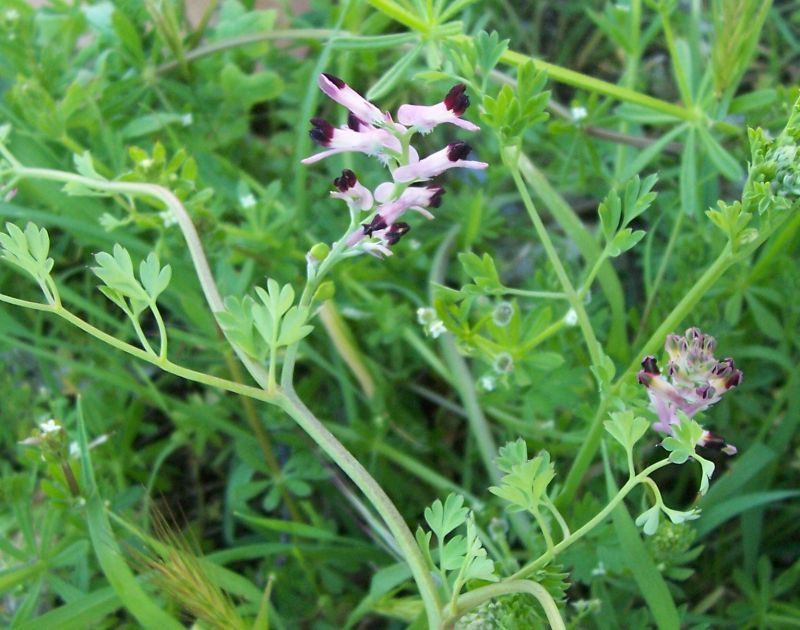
(375, 133)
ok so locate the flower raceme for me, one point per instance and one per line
(694, 380)
(376, 134)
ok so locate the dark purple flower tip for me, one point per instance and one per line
(717, 443)
(645, 378)
(734, 379)
(354, 122)
(347, 180)
(436, 198)
(322, 131)
(458, 151)
(377, 224)
(705, 392)
(724, 368)
(395, 232)
(650, 365)
(693, 334)
(335, 80)
(456, 100)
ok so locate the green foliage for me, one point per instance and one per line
(216, 111)
(524, 486)
(122, 287)
(626, 428)
(28, 251)
(511, 112)
(275, 319)
(617, 214)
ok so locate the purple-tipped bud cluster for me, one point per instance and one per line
(693, 381)
(375, 133)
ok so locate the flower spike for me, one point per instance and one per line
(452, 156)
(425, 117)
(693, 381)
(343, 94)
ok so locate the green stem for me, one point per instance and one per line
(662, 268)
(544, 295)
(475, 598)
(162, 331)
(579, 533)
(245, 40)
(548, 538)
(137, 327)
(509, 155)
(167, 366)
(293, 406)
(288, 400)
(591, 84)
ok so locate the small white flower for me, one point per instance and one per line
(578, 113)
(247, 201)
(599, 570)
(436, 328)
(187, 119)
(571, 318)
(146, 164)
(168, 218)
(51, 426)
(487, 382)
(425, 315)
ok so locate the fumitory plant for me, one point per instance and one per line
(480, 424)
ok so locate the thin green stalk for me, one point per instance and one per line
(166, 365)
(245, 40)
(287, 400)
(662, 269)
(509, 155)
(542, 295)
(591, 84)
(295, 407)
(476, 597)
(162, 331)
(598, 518)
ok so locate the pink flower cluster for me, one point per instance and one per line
(694, 381)
(375, 133)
